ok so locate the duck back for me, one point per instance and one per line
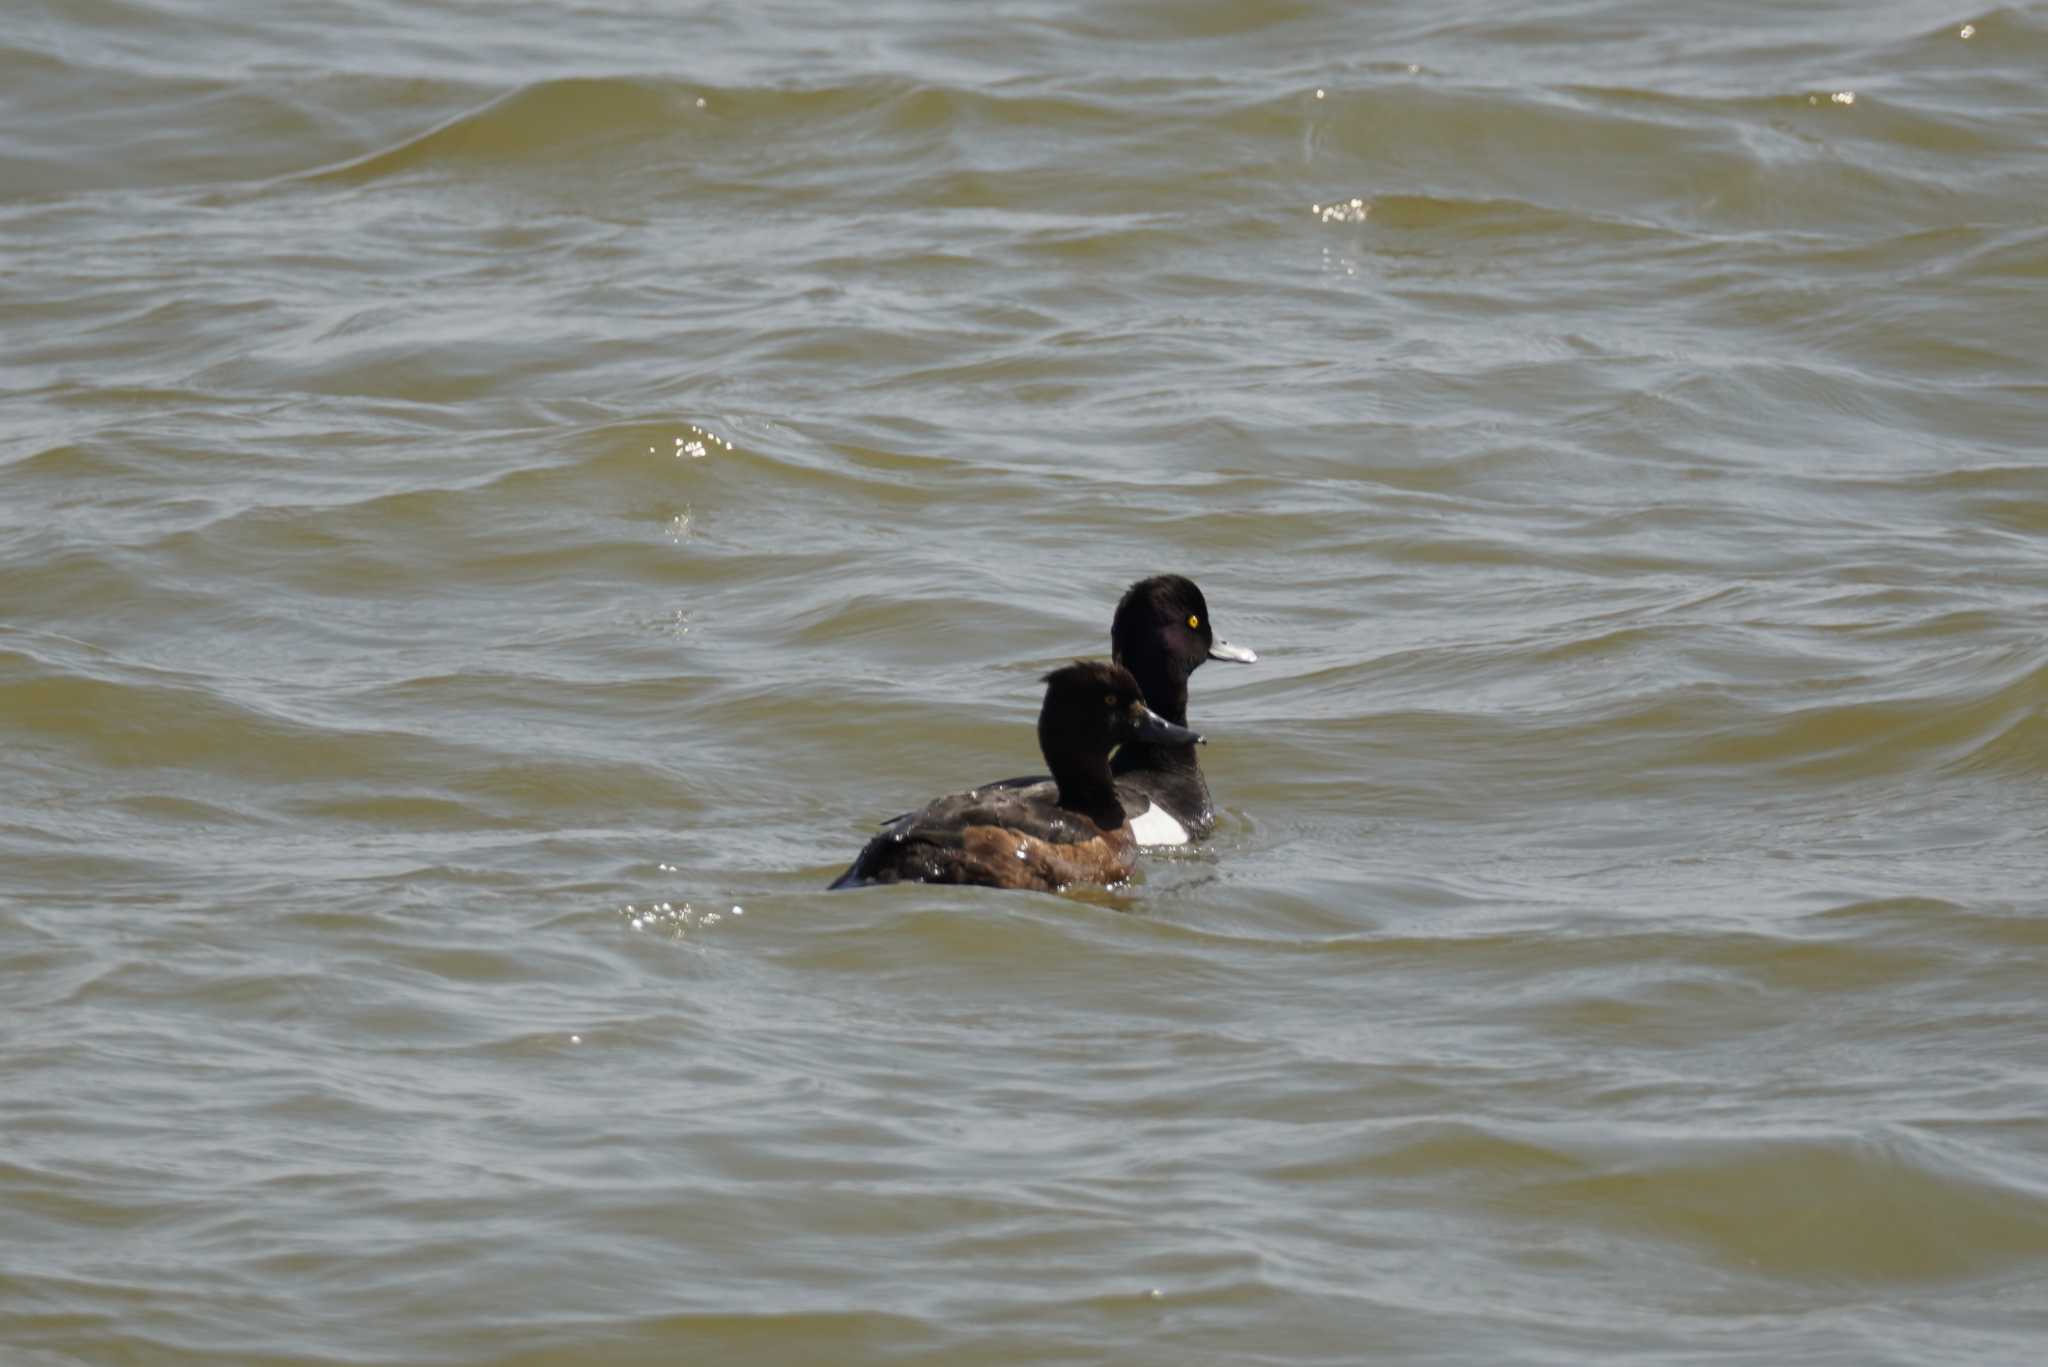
(995, 837)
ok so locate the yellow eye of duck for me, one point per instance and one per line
(1193, 620)
(1109, 700)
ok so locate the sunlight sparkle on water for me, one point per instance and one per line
(698, 444)
(678, 921)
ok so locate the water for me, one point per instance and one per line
(495, 504)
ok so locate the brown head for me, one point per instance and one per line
(1091, 707)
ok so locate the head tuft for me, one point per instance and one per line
(1086, 677)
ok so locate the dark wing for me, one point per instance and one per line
(1022, 809)
(996, 837)
(1026, 781)
(1181, 795)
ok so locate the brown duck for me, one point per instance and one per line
(1031, 838)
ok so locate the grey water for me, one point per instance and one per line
(495, 503)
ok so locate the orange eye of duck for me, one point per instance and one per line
(1109, 700)
(1193, 620)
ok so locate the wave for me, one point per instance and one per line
(1889, 1206)
(258, 751)
(714, 130)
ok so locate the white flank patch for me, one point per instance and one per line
(1154, 826)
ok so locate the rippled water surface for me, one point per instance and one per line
(496, 502)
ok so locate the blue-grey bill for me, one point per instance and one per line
(1224, 650)
(1153, 727)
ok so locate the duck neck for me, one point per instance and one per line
(1155, 759)
(1167, 695)
(1092, 793)
(1085, 784)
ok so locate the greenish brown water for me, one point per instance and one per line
(495, 503)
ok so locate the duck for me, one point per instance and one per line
(1070, 830)
(1161, 633)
